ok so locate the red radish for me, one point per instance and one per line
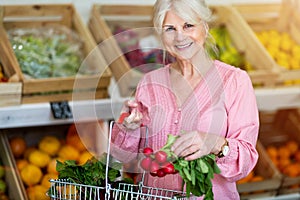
(161, 157)
(153, 173)
(161, 173)
(148, 151)
(154, 166)
(123, 116)
(146, 163)
(169, 168)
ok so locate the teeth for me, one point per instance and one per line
(183, 46)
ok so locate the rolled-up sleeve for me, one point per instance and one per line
(243, 128)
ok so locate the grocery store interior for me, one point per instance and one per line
(59, 107)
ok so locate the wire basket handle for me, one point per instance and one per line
(108, 150)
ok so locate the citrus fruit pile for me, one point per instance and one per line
(37, 164)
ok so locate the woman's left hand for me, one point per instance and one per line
(194, 144)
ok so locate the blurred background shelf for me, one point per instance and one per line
(40, 113)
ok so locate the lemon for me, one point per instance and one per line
(45, 180)
(68, 152)
(39, 158)
(31, 174)
(37, 192)
(49, 145)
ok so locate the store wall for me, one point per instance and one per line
(84, 6)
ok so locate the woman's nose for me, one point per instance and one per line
(180, 36)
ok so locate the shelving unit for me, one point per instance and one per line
(40, 113)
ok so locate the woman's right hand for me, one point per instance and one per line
(134, 119)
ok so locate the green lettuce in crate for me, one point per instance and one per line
(43, 53)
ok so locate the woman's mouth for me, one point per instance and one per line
(183, 46)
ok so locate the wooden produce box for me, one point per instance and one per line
(280, 136)
(263, 181)
(102, 23)
(46, 144)
(282, 18)
(10, 92)
(76, 87)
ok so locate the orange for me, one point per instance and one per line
(45, 180)
(247, 178)
(283, 163)
(292, 170)
(21, 163)
(284, 152)
(50, 145)
(18, 146)
(39, 158)
(257, 178)
(74, 139)
(272, 151)
(84, 156)
(31, 174)
(292, 146)
(37, 192)
(297, 156)
(68, 191)
(51, 167)
(68, 152)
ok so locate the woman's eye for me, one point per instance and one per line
(169, 29)
(188, 26)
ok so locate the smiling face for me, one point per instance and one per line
(181, 38)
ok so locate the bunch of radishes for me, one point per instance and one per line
(157, 163)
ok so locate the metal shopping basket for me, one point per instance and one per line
(62, 189)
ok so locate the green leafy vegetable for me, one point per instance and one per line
(44, 56)
(196, 174)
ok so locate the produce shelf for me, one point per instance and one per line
(40, 114)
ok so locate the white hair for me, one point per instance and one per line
(192, 11)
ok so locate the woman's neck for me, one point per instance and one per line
(185, 68)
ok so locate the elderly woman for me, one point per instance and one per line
(212, 102)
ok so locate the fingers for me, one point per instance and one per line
(186, 144)
(192, 145)
(133, 121)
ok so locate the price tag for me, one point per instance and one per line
(61, 110)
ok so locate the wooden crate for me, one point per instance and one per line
(271, 178)
(104, 18)
(283, 17)
(277, 128)
(58, 89)
(10, 92)
(92, 133)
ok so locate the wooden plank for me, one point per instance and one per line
(111, 51)
(83, 95)
(127, 10)
(62, 13)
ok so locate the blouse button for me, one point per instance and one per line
(179, 109)
(176, 122)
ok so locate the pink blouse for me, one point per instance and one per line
(222, 103)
